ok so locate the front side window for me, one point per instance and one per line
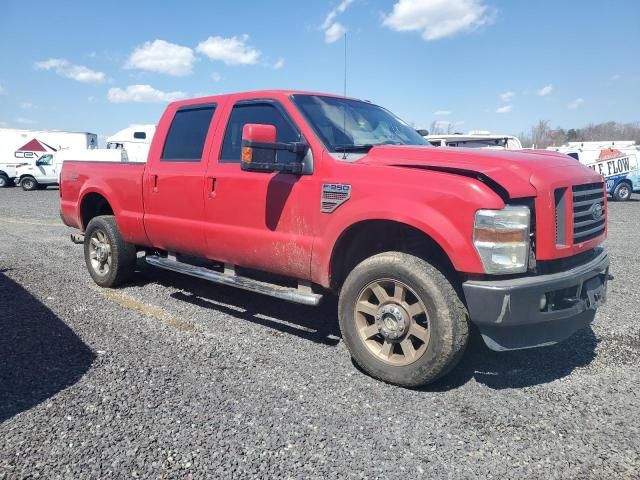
(261, 113)
(187, 134)
(346, 125)
(45, 160)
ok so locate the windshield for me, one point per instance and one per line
(346, 125)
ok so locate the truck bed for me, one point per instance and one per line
(121, 183)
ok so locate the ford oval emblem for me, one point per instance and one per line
(596, 211)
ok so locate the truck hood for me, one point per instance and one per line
(520, 173)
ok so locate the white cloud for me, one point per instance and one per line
(615, 77)
(279, 64)
(66, 69)
(4, 124)
(504, 109)
(216, 77)
(24, 121)
(507, 96)
(142, 94)
(331, 16)
(231, 51)
(575, 104)
(333, 30)
(26, 105)
(442, 112)
(334, 33)
(439, 18)
(544, 91)
(162, 57)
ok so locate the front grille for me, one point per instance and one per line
(589, 215)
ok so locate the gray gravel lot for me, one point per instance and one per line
(173, 377)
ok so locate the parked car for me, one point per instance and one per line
(333, 194)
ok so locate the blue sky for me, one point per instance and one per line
(479, 64)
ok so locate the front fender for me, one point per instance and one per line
(448, 223)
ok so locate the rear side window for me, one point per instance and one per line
(140, 135)
(263, 113)
(187, 134)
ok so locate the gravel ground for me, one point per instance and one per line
(174, 377)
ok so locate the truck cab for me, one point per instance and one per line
(42, 173)
(306, 197)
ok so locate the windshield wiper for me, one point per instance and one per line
(353, 148)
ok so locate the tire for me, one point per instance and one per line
(4, 181)
(443, 327)
(110, 260)
(28, 184)
(622, 193)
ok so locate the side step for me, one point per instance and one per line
(302, 294)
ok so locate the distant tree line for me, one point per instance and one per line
(543, 136)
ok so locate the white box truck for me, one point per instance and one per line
(20, 147)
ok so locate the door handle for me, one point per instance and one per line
(212, 187)
(155, 183)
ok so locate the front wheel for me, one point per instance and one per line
(28, 184)
(622, 193)
(4, 181)
(110, 260)
(402, 320)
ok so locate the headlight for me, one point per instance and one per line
(501, 238)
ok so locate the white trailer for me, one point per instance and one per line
(20, 147)
(476, 139)
(134, 140)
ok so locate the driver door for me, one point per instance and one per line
(46, 169)
(258, 220)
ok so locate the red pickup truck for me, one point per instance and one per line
(333, 194)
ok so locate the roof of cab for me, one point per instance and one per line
(257, 94)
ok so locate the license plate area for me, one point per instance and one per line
(594, 291)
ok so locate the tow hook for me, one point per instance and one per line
(77, 238)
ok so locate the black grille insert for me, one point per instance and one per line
(589, 215)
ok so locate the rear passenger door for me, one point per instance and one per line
(174, 182)
(258, 220)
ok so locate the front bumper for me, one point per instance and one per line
(508, 312)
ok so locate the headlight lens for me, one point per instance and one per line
(501, 238)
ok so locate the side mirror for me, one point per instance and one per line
(259, 149)
(422, 132)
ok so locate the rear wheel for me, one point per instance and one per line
(622, 193)
(402, 320)
(110, 260)
(4, 180)
(28, 184)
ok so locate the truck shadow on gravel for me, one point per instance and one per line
(318, 325)
(39, 354)
(496, 370)
(520, 368)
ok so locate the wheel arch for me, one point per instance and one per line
(94, 204)
(369, 237)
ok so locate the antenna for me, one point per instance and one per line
(344, 92)
(345, 64)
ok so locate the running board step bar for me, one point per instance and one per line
(302, 294)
